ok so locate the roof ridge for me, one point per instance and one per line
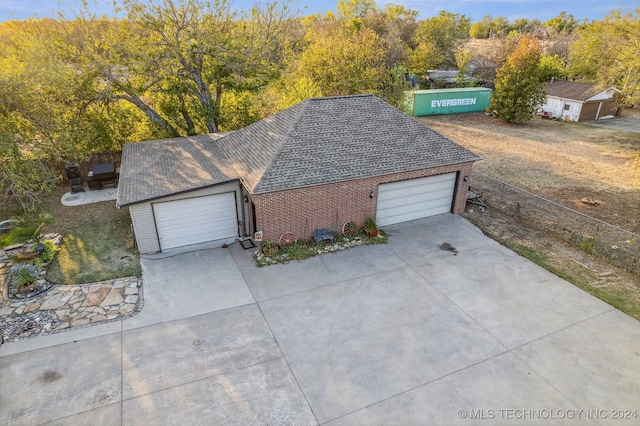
(324, 98)
(303, 106)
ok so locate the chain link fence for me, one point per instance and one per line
(619, 246)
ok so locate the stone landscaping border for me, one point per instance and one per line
(65, 307)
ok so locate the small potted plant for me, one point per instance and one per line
(370, 228)
(268, 248)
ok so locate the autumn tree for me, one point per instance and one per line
(436, 39)
(607, 53)
(174, 59)
(342, 59)
(552, 66)
(44, 116)
(519, 90)
(564, 23)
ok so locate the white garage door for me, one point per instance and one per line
(196, 220)
(415, 198)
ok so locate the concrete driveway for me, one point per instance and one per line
(401, 333)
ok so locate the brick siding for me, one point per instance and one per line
(301, 211)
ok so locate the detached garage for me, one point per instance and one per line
(319, 164)
(196, 220)
(572, 101)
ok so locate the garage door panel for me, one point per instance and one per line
(195, 220)
(425, 197)
(415, 199)
(418, 205)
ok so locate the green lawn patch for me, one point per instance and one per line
(97, 245)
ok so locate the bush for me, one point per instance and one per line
(23, 275)
(49, 250)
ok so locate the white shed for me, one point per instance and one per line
(571, 101)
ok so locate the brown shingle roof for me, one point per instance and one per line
(155, 169)
(570, 90)
(318, 141)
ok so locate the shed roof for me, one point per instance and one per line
(319, 141)
(572, 90)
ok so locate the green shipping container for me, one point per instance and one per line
(419, 103)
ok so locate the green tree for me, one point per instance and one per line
(563, 23)
(489, 27)
(552, 66)
(173, 59)
(607, 53)
(435, 41)
(394, 25)
(342, 60)
(519, 90)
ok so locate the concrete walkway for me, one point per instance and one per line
(401, 333)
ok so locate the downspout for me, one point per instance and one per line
(244, 215)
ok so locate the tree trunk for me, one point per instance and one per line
(210, 106)
(152, 114)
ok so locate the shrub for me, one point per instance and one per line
(23, 275)
(48, 252)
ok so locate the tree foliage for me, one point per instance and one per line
(436, 40)
(607, 53)
(71, 88)
(519, 90)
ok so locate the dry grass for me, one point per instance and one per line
(97, 242)
(565, 162)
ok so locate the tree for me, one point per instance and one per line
(607, 53)
(489, 27)
(394, 25)
(436, 39)
(563, 23)
(552, 66)
(342, 59)
(173, 59)
(519, 90)
(43, 119)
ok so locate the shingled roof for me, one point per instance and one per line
(319, 141)
(571, 90)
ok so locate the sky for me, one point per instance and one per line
(474, 9)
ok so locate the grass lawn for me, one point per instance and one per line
(97, 242)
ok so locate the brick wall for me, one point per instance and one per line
(301, 211)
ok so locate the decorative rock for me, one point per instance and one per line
(33, 306)
(62, 326)
(127, 309)
(65, 307)
(95, 298)
(115, 297)
(79, 322)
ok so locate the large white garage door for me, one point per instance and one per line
(196, 220)
(415, 198)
